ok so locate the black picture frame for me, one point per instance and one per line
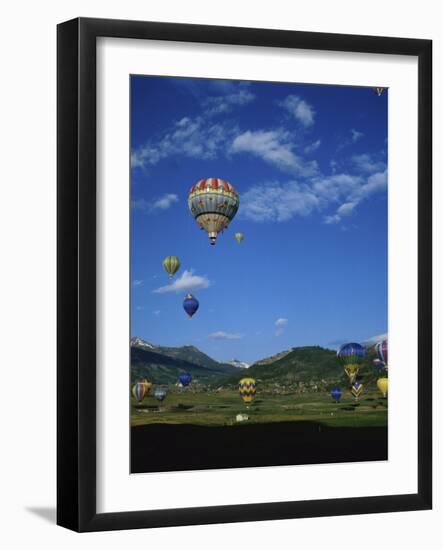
(76, 265)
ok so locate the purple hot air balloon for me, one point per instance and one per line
(382, 351)
(190, 304)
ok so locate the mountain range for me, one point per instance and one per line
(301, 369)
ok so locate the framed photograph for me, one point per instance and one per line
(244, 274)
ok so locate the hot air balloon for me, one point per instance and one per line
(147, 384)
(160, 394)
(356, 390)
(139, 391)
(213, 202)
(382, 385)
(190, 304)
(336, 394)
(382, 351)
(185, 378)
(247, 389)
(379, 91)
(351, 356)
(239, 237)
(171, 264)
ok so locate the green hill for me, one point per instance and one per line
(165, 369)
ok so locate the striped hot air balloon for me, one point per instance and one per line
(351, 356)
(247, 388)
(356, 390)
(382, 351)
(148, 385)
(213, 202)
(171, 264)
(139, 391)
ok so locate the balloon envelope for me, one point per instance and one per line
(147, 384)
(171, 264)
(160, 394)
(382, 385)
(239, 237)
(185, 378)
(336, 394)
(351, 356)
(139, 391)
(213, 202)
(190, 304)
(356, 389)
(247, 388)
(382, 351)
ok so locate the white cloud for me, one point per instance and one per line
(281, 322)
(190, 137)
(300, 109)
(140, 204)
(274, 147)
(356, 135)
(367, 163)
(359, 192)
(156, 312)
(375, 339)
(221, 335)
(278, 202)
(224, 103)
(312, 147)
(165, 202)
(137, 282)
(186, 282)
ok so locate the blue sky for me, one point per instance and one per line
(310, 165)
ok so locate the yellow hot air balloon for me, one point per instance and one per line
(382, 385)
(239, 237)
(171, 264)
(147, 384)
(247, 388)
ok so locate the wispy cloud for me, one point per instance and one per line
(280, 324)
(299, 109)
(222, 335)
(375, 339)
(137, 282)
(156, 312)
(186, 282)
(312, 147)
(216, 105)
(368, 163)
(274, 147)
(162, 203)
(356, 135)
(361, 191)
(278, 202)
(165, 202)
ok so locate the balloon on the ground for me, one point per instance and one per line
(336, 394)
(351, 356)
(139, 391)
(379, 91)
(190, 304)
(213, 202)
(247, 388)
(185, 378)
(382, 351)
(379, 365)
(171, 264)
(356, 389)
(239, 237)
(382, 385)
(160, 393)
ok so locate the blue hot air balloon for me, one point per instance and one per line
(185, 378)
(190, 304)
(351, 356)
(336, 394)
(379, 365)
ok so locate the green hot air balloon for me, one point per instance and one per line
(171, 265)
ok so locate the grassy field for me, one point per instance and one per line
(212, 408)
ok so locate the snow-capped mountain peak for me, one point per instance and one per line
(140, 343)
(238, 364)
